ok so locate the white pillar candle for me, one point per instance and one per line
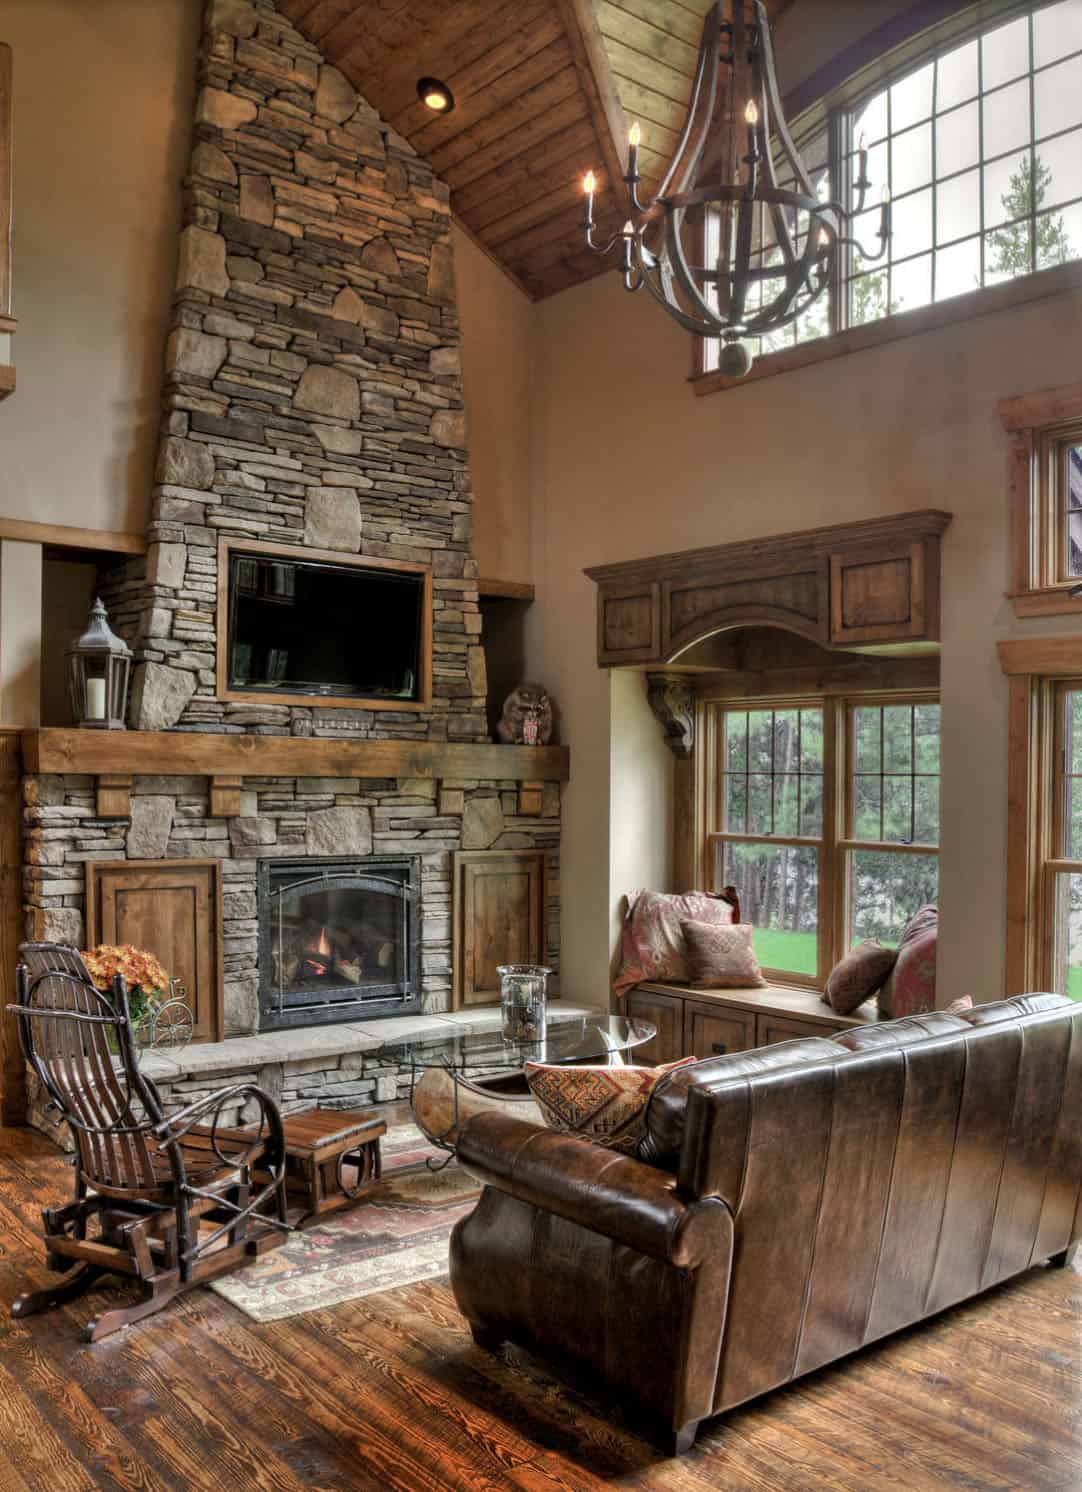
(95, 699)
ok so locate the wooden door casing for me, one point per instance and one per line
(172, 908)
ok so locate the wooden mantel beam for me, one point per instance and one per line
(187, 753)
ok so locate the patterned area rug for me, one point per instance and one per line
(396, 1236)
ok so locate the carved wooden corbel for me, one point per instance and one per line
(672, 700)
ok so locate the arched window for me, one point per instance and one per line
(978, 141)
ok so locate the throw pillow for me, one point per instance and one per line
(722, 957)
(910, 990)
(652, 944)
(858, 975)
(964, 1002)
(603, 1104)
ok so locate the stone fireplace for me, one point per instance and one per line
(339, 940)
(312, 402)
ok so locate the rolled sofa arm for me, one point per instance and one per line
(612, 1194)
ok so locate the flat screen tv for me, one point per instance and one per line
(332, 631)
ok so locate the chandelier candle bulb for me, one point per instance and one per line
(634, 137)
(862, 182)
(589, 183)
(751, 115)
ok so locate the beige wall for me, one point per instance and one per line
(496, 320)
(102, 122)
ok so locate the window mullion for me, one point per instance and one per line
(840, 167)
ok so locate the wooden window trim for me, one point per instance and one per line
(228, 546)
(1035, 667)
(1038, 426)
(1064, 280)
(836, 842)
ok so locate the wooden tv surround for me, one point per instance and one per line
(709, 1023)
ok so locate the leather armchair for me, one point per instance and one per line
(788, 1206)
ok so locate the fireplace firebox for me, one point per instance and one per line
(339, 940)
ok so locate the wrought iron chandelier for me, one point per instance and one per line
(721, 246)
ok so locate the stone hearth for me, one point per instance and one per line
(337, 1067)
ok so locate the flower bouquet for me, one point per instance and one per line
(148, 983)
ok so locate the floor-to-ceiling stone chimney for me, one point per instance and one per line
(312, 397)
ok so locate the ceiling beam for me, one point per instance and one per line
(599, 86)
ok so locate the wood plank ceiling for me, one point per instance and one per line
(543, 89)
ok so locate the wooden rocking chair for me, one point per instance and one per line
(145, 1185)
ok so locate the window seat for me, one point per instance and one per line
(694, 1022)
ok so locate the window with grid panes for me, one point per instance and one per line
(817, 869)
(980, 147)
(891, 865)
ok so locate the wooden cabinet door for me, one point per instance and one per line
(173, 909)
(499, 918)
(882, 595)
(629, 624)
(775, 1028)
(666, 1012)
(714, 1030)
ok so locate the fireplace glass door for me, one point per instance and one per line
(338, 940)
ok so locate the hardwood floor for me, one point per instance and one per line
(390, 1393)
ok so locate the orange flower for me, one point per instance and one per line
(138, 967)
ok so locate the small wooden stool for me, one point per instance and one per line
(320, 1144)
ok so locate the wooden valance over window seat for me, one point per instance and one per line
(706, 1023)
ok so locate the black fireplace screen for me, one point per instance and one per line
(338, 940)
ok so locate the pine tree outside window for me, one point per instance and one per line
(980, 147)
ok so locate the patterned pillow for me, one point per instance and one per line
(858, 975)
(722, 957)
(910, 990)
(603, 1104)
(652, 945)
(956, 1007)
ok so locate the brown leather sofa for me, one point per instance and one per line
(788, 1206)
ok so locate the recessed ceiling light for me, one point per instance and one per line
(435, 95)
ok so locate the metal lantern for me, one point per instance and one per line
(98, 666)
(724, 249)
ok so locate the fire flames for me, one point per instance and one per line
(318, 957)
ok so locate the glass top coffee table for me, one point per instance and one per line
(443, 1069)
(580, 1039)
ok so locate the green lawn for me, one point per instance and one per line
(794, 953)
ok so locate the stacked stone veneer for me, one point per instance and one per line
(313, 392)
